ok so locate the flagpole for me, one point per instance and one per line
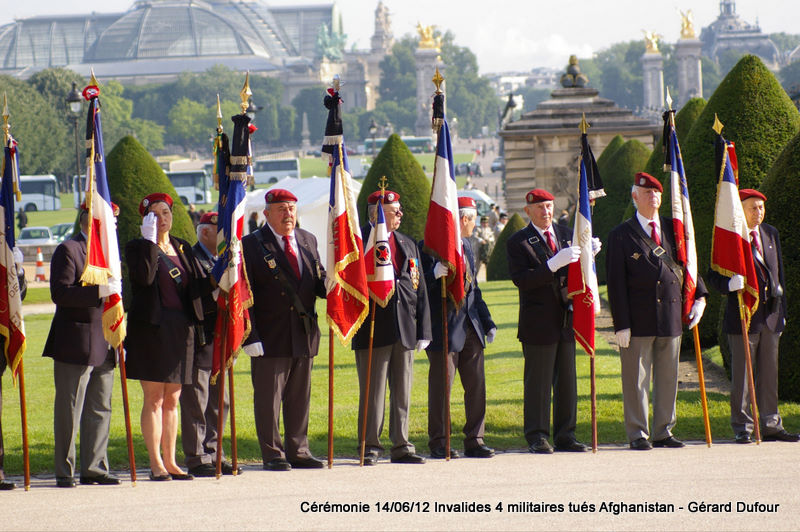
(749, 362)
(445, 365)
(232, 416)
(221, 398)
(23, 411)
(123, 377)
(366, 386)
(330, 397)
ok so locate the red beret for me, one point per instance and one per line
(746, 193)
(114, 207)
(208, 218)
(465, 202)
(279, 195)
(388, 197)
(537, 195)
(647, 181)
(155, 197)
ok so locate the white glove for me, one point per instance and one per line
(114, 286)
(697, 311)
(736, 283)
(490, 335)
(564, 257)
(623, 337)
(254, 350)
(596, 246)
(149, 227)
(440, 270)
(422, 344)
(18, 258)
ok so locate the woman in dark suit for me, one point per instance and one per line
(161, 329)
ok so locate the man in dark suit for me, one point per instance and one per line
(645, 287)
(401, 328)
(200, 400)
(466, 329)
(286, 277)
(766, 327)
(83, 365)
(538, 260)
(23, 288)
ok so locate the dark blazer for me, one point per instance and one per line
(543, 304)
(474, 311)
(275, 321)
(142, 258)
(204, 353)
(76, 332)
(770, 314)
(407, 315)
(645, 296)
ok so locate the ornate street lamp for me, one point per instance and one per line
(74, 103)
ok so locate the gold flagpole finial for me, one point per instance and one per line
(669, 100)
(245, 93)
(382, 184)
(717, 125)
(584, 125)
(219, 115)
(438, 80)
(93, 80)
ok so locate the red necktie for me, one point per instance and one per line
(754, 242)
(550, 242)
(291, 256)
(654, 234)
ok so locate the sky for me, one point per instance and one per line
(505, 35)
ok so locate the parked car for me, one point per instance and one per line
(62, 232)
(35, 236)
(498, 164)
(483, 201)
(473, 169)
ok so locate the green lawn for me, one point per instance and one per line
(504, 399)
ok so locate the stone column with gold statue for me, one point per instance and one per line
(427, 60)
(690, 69)
(652, 72)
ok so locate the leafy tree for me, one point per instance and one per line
(790, 77)
(497, 269)
(118, 121)
(309, 101)
(192, 123)
(398, 72)
(532, 96)
(786, 42)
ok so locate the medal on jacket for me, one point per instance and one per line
(413, 272)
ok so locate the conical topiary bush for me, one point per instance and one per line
(497, 269)
(760, 118)
(405, 176)
(616, 143)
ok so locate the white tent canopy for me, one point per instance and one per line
(313, 194)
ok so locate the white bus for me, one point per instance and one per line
(39, 193)
(192, 186)
(273, 170)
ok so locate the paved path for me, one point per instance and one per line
(258, 500)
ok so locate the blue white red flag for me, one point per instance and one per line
(347, 292)
(379, 268)
(682, 224)
(443, 227)
(582, 276)
(12, 326)
(730, 246)
(102, 248)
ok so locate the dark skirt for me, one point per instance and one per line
(161, 353)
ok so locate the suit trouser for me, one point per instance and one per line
(282, 381)
(549, 367)
(764, 355)
(82, 399)
(200, 417)
(646, 354)
(469, 362)
(394, 363)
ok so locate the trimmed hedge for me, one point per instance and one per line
(405, 176)
(760, 118)
(782, 188)
(612, 147)
(497, 269)
(617, 181)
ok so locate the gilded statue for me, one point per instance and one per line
(426, 39)
(687, 25)
(651, 39)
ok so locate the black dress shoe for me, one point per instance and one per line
(160, 478)
(104, 480)
(409, 458)
(308, 462)
(640, 444)
(277, 464)
(781, 435)
(370, 458)
(181, 476)
(439, 453)
(743, 437)
(227, 468)
(6, 485)
(670, 441)
(573, 446)
(481, 451)
(65, 482)
(205, 470)
(541, 446)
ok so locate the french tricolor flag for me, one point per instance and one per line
(380, 272)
